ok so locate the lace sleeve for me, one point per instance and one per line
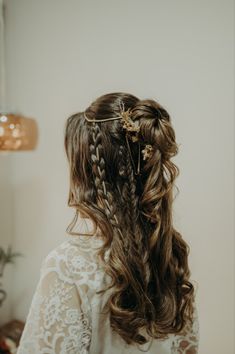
(188, 341)
(57, 322)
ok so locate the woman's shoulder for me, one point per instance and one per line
(75, 260)
(77, 245)
(60, 309)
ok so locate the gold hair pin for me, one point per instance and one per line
(129, 124)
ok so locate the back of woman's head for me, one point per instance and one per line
(128, 194)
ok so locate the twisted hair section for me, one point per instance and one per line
(148, 258)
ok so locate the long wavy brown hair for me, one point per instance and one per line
(148, 258)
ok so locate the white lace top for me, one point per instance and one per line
(64, 316)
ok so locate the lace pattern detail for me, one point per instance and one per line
(59, 319)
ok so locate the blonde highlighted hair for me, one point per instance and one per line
(148, 259)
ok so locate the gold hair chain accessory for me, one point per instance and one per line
(132, 131)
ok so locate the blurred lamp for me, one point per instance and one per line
(17, 132)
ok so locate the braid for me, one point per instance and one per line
(129, 188)
(131, 193)
(131, 201)
(131, 212)
(103, 188)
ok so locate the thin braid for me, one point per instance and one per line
(131, 211)
(103, 189)
(122, 152)
(129, 193)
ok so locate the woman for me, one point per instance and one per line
(123, 287)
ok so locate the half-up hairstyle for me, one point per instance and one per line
(148, 258)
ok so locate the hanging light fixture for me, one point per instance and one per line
(17, 132)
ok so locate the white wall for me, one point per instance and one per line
(6, 229)
(63, 54)
(6, 206)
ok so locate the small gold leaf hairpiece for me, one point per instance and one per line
(128, 124)
(147, 151)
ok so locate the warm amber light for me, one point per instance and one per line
(17, 132)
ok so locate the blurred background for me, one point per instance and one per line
(59, 56)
